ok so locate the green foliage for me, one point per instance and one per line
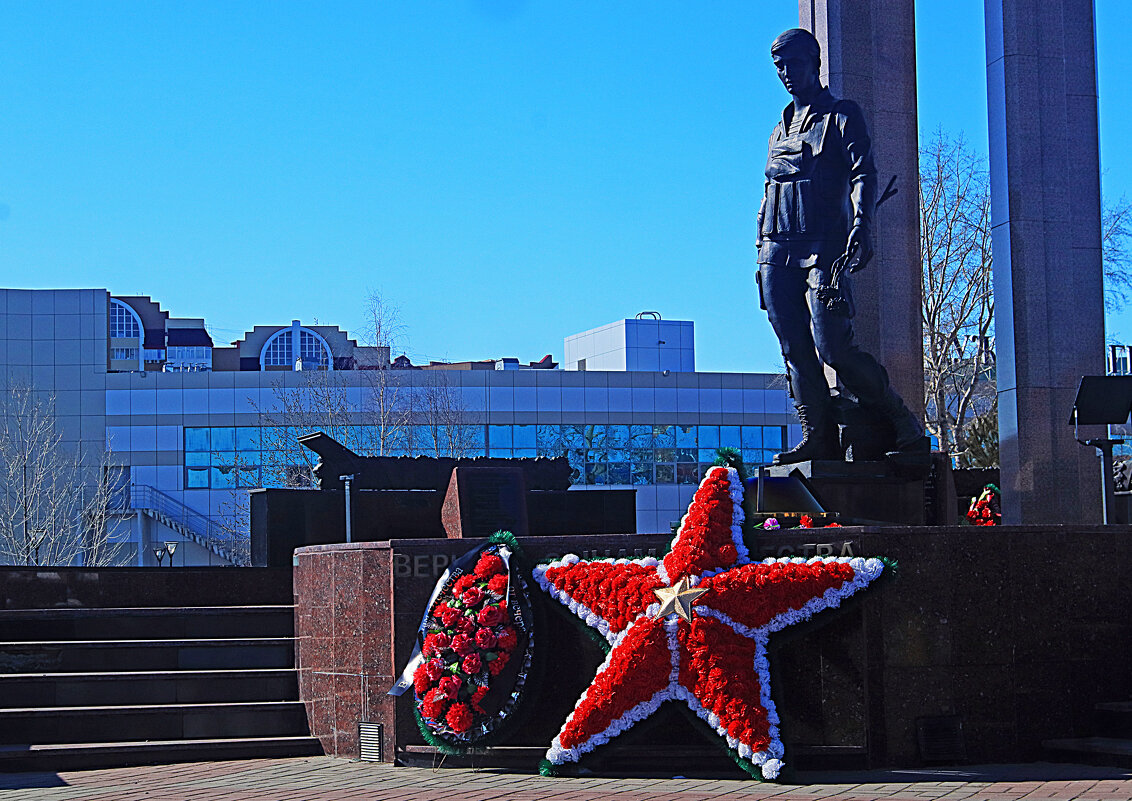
(981, 441)
(730, 457)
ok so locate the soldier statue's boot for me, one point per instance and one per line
(907, 430)
(820, 439)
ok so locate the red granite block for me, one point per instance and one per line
(320, 718)
(321, 588)
(317, 653)
(347, 714)
(322, 685)
(321, 621)
(348, 654)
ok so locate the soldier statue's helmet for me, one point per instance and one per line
(797, 39)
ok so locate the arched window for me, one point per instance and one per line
(124, 321)
(285, 345)
(313, 350)
(125, 324)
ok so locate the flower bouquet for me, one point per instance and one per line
(475, 649)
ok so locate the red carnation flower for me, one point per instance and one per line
(450, 686)
(463, 583)
(492, 615)
(495, 666)
(450, 617)
(463, 644)
(441, 640)
(806, 522)
(472, 596)
(508, 639)
(497, 584)
(421, 681)
(489, 565)
(433, 704)
(459, 718)
(485, 638)
(472, 664)
(428, 648)
(434, 669)
(476, 698)
(465, 626)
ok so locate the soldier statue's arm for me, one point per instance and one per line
(857, 148)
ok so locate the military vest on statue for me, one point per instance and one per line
(807, 189)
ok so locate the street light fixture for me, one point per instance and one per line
(347, 480)
(171, 548)
(159, 555)
(40, 535)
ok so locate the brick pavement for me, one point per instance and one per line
(326, 779)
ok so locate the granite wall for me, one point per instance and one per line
(1016, 630)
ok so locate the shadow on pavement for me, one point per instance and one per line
(24, 781)
(1029, 772)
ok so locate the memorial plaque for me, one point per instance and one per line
(483, 500)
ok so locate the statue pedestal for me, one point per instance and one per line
(880, 492)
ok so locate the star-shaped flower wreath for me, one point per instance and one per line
(706, 644)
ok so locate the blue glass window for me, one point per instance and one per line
(247, 438)
(523, 436)
(729, 437)
(499, 437)
(196, 439)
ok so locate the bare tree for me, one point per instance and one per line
(318, 400)
(958, 293)
(57, 499)
(1116, 232)
(232, 533)
(443, 428)
(385, 409)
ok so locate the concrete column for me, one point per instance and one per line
(1049, 301)
(869, 56)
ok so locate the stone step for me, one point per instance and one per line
(1114, 719)
(1110, 751)
(146, 623)
(84, 756)
(99, 724)
(146, 687)
(108, 656)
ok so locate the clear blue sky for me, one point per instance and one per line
(506, 172)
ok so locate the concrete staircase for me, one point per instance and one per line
(187, 522)
(102, 687)
(1111, 745)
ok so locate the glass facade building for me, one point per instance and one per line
(195, 426)
(610, 454)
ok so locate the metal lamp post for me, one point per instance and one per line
(347, 481)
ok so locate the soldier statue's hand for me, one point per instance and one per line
(859, 249)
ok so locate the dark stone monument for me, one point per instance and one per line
(814, 229)
(483, 500)
(969, 628)
(405, 497)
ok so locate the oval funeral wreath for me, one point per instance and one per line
(475, 645)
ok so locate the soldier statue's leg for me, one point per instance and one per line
(785, 294)
(858, 371)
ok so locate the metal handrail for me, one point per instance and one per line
(199, 527)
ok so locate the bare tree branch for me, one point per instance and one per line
(1116, 231)
(57, 499)
(958, 291)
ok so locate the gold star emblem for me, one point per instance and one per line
(678, 598)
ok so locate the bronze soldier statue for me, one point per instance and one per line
(815, 227)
